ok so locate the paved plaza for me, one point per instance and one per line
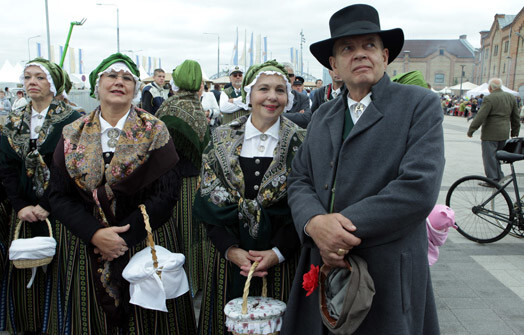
(479, 289)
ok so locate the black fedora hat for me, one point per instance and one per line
(357, 20)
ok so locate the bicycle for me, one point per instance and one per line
(484, 211)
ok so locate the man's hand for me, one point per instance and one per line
(108, 243)
(332, 232)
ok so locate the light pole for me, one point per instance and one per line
(28, 49)
(218, 53)
(117, 24)
(302, 40)
(48, 34)
(461, 76)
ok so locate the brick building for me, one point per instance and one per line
(447, 62)
(440, 61)
(502, 51)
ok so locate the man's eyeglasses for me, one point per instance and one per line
(236, 74)
(291, 75)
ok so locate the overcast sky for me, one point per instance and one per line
(173, 30)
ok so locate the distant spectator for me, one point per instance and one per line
(216, 92)
(20, 100)
(5, 107)
(154, 93)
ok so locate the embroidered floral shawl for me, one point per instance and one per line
(142, 134)
(18, 133)
(220, 198)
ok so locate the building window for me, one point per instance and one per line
(487, 52)
(504, 69)
(394, 72)
(441, 52)
(439, 78)
(495, 50)
(506, 46)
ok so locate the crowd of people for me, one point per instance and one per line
(258, 171)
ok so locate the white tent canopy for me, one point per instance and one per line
(465, 86)
(483, 89)
(445, 90)
(9, 74)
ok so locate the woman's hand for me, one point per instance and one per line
(266, 260)
(108, 243)
(27, 214)
(240, 258)
(40, 213)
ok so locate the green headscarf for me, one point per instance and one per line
(188, 75)
(55, 71)
(68, 84)
(114, 58)
(411, 78)
(254, 70)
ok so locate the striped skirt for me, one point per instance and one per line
(226, 118)
(5, 215)
(77, 309)
(25, 309)
(192, 233)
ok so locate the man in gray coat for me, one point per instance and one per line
(365, 179)
(498, 111)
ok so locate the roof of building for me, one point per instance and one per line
(506, 20)
(460, 48)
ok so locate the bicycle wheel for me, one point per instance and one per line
(482, 214)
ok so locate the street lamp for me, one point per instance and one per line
(461, 76)
(28, 49)
(218, 53)
(117, 24)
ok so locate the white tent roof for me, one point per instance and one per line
(483, 89)
(9, 74)
(445, 90)
(465, 86)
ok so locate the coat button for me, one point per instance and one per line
(107, 166)
(255, 187)
(257, 161)
(257, 173)
(326, 186)
(107, 154)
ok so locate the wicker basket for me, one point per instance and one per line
(246, 317)
(31, 263)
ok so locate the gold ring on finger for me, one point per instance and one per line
(342, 252)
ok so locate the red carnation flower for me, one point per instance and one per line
(310, 280)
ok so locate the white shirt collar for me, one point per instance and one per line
(251, 131)
(34, 113)
(366, 101)
(104, 125)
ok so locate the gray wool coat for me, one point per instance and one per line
(388, 174)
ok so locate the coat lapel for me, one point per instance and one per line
(371, 116)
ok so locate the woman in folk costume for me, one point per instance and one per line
(242, 198)
(186, 121)
(107, 164)
(26, 150)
